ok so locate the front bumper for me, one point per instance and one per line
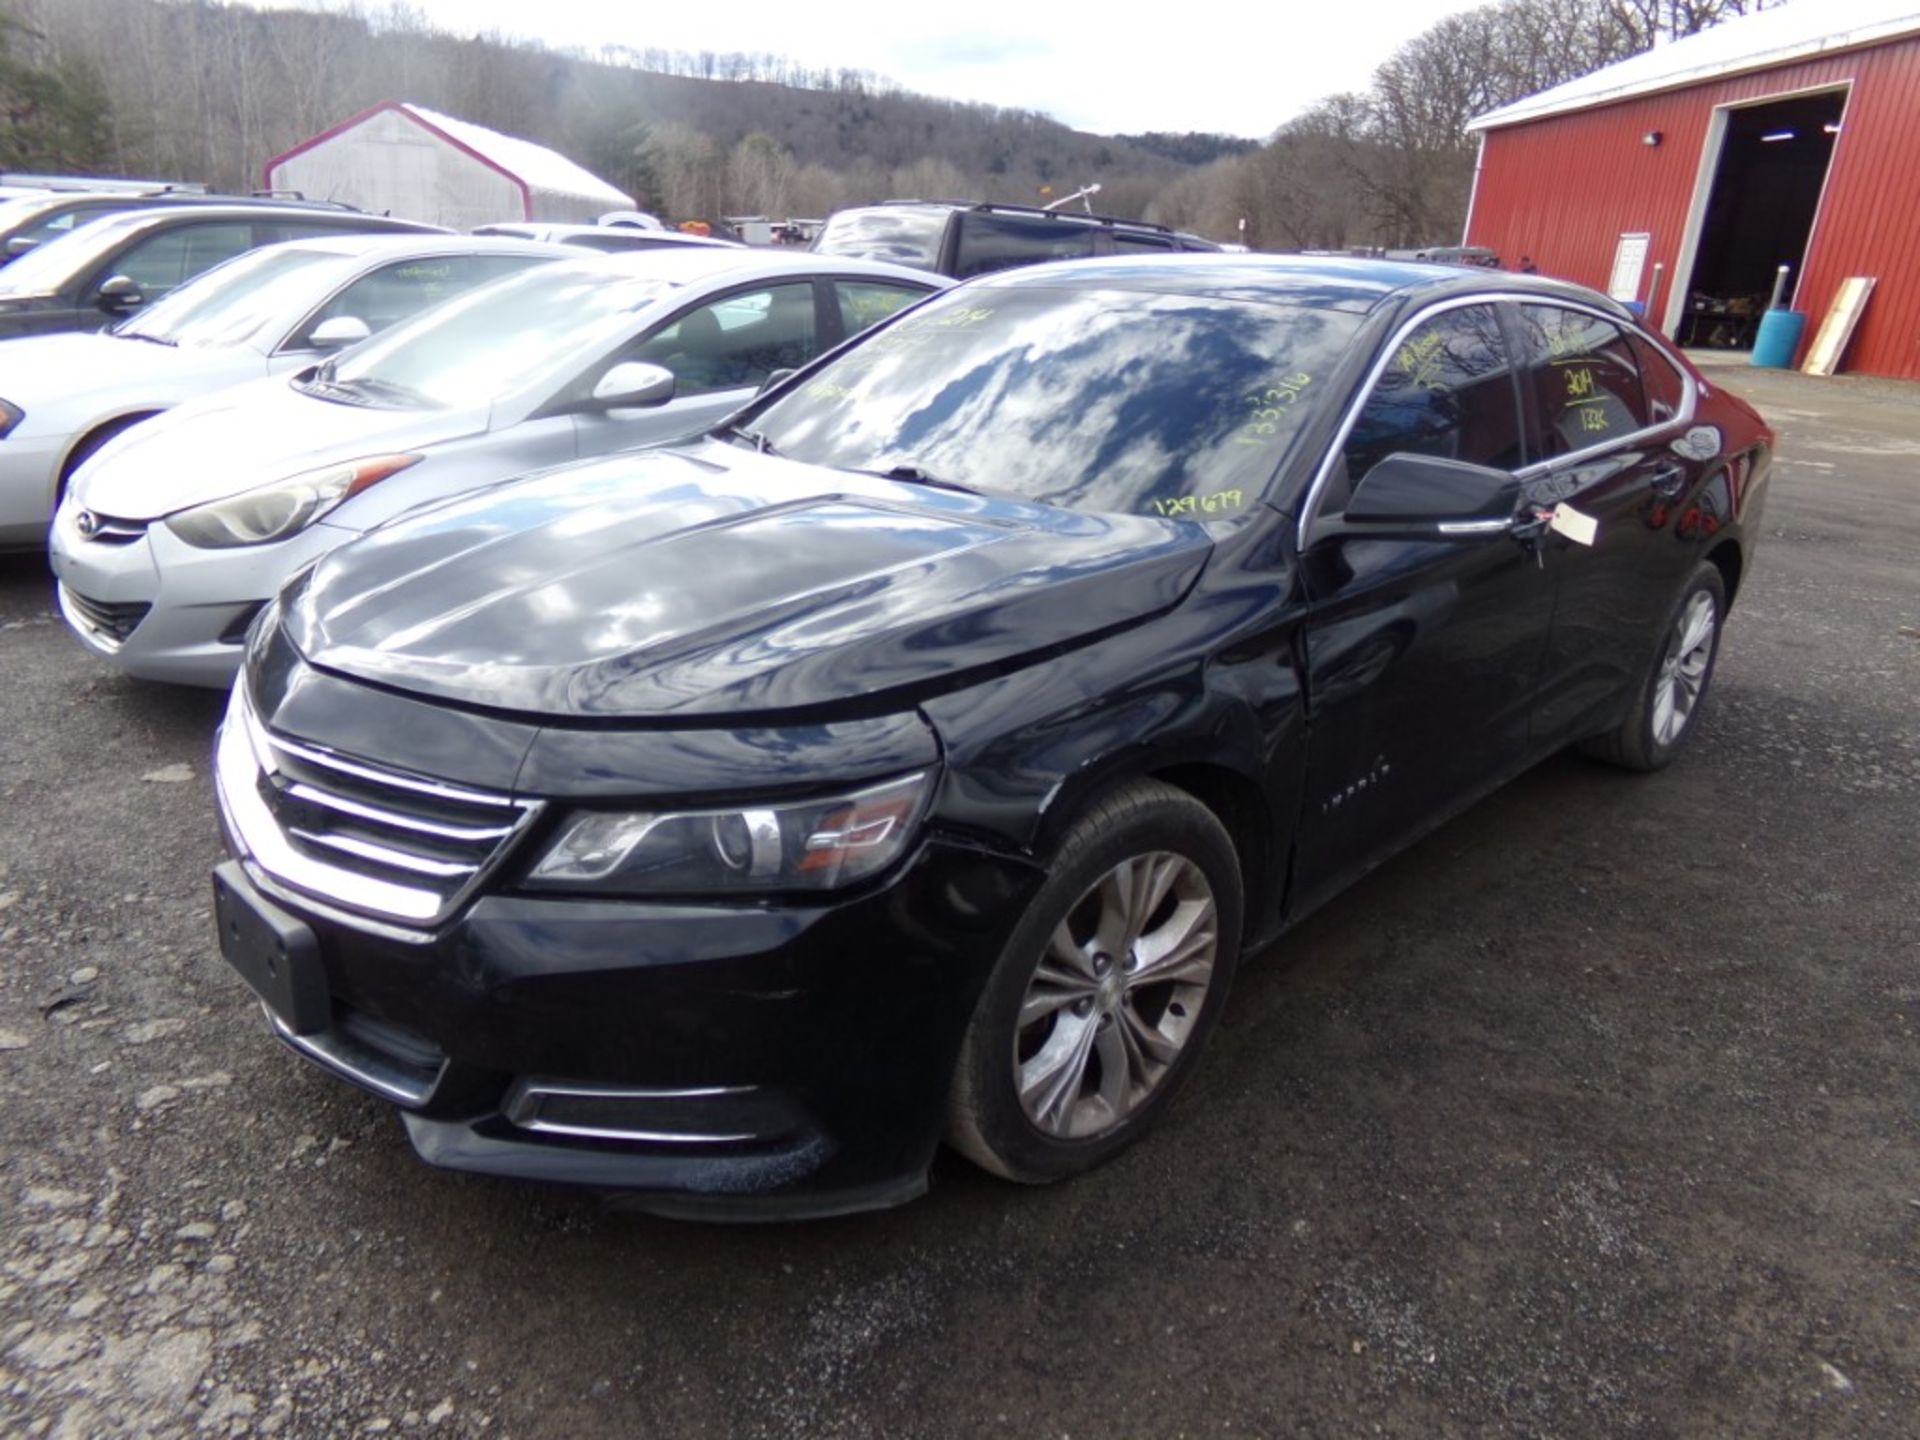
(725, 1061)
(160, 609)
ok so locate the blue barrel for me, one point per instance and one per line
(1779, 337)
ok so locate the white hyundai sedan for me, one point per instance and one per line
(177, 533)
(271, 310)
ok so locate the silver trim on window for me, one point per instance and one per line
(1310, 506)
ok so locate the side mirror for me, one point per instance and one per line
(778, 377)
(20, 245)
(339, 332)
(633, 384)
(1426, 497)
(118, 293)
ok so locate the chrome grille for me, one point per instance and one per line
(358, 835)
(112, 623)
(109, 529)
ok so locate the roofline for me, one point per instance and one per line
(1540, 107)
(405, 108)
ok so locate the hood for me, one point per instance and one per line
(251, 435)
(714, 581)
(43, 374)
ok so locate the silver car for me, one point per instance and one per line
(278, 308)
(178, 532)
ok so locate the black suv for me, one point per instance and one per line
(110, 267)
(963, 239)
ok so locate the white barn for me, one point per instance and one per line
(413, 162)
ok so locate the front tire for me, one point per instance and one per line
(1106, 991)
(1675, 685)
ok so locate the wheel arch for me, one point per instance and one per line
(1235, 794)
(1727, 559)
(93, 438)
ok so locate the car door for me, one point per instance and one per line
(720, 350)
(1604, 439)
(1421, 655)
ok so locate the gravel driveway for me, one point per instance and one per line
(1596, 1114)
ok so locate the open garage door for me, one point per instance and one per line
(1756, 213)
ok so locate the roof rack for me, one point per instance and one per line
(1001, 207)
(108, 184)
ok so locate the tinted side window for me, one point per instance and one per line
(1130, 244)
(1447, 391)
(996, 242)
(1586, 386)
(736, 341)
(865, 302)
(160, 262)
(1666, 387)
(395, 292)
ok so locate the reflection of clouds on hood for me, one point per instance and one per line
(1090, 400)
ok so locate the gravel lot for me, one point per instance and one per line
(1596, 1114)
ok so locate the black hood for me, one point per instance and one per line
(714, 581)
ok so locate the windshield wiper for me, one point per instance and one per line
(760, 443)
(372, 385)
(914, 475)
(150, 339)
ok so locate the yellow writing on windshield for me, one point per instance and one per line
(1268, 404)
(1218, 502)
(954, 319)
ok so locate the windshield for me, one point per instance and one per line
(1097, 399)
(231, 303)
(493, 339)
(50, 265)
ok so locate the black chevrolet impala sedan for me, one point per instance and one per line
(916, 756)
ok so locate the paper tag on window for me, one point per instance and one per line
(1573, 524)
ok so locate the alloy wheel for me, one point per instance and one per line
(1115, 996)
(1683, 669)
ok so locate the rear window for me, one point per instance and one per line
(903, 236)
(999, 242)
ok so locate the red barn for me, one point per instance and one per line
(1682, 179)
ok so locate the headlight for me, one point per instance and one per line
(271, 512)
(10, 416)
(811, 845)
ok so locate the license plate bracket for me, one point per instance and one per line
(276, 954)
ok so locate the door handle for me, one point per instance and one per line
(1668, 481)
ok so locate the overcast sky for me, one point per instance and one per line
(1118, 67)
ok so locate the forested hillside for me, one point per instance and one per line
(200, 91)
(188, 89)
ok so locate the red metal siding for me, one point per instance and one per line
(1564, 189)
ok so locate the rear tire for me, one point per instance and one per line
(1675, 683)
(1106, 991)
